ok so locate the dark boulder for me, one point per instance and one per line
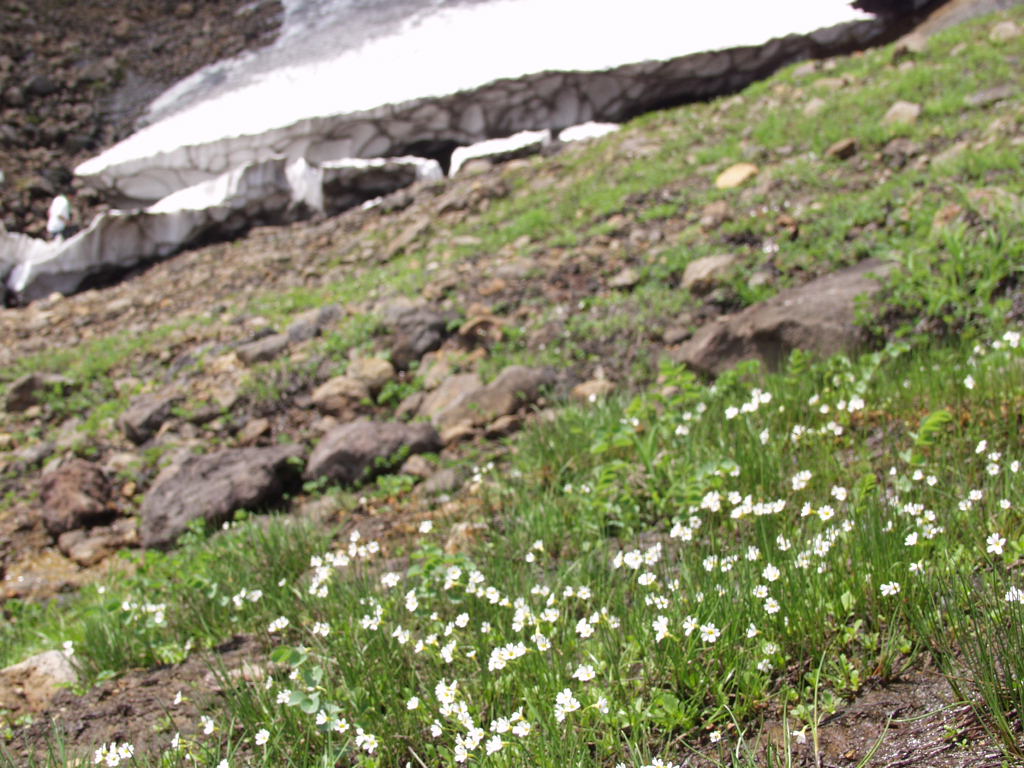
(818, 316)
(212, 487)
(354, 451)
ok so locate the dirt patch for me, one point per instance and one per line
(74, 77)
(140, 707)
(915, 721)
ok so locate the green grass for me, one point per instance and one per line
(657, 509)
(159, 606)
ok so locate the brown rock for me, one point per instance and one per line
(902, 113)
(87, 548)
(830, 83)
(409, 406)
(456, 433)
(75, 496)
(493, 286)
(212, 487)
(814, 107)
(842, 149)
(451, 390)
(701, 275)
(435, 368)
(715, 215)
(1004, 31)
(897, 151)
(417, 466)
(515, 386)
(253, 431)
(503, 426)
(463, 536)
(31, 685)
(373, 372)
(407, 237)
(946, 215)
(626, 278)
(482, 330)
(589, 391)
(989, 201)
(353, 451)
(27, 391)
(341, 395)
(818, 317)
(736, 175)
(675, 334)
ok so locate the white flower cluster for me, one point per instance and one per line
(113, 754)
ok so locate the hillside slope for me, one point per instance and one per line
(482, 376)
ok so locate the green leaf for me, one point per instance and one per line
(285, 654)
(847, 601)
(311, 704)
(932, 425)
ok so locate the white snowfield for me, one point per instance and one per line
(289, 144)
(271, 191)
(344, 106)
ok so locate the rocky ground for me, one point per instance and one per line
(301, 341)
(74, 77)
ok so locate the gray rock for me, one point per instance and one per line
(42, 85)
(818, 317)
(990, 95)
(311, 323)
(146, 414)
(409, 406)
(897, 151)
(75, 495)
(262, 350)
(26, 391)
(445, 480)
(355, 451)
(212, 487)
(34, 453)
(417, 332)
(14, 97)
